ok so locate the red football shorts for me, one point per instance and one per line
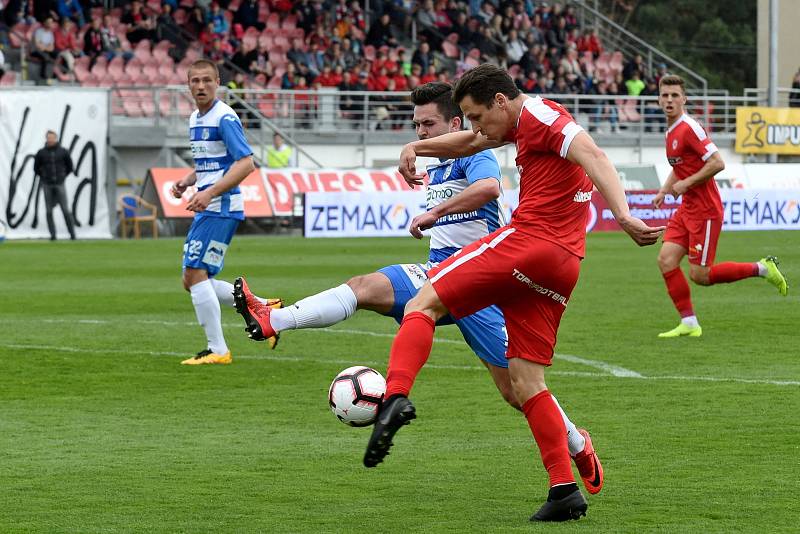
(528, 278)
(698, 236)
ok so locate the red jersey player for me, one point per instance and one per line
(694, 228)
(527, 268)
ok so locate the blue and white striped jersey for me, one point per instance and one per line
(447, 179)
(217, 141)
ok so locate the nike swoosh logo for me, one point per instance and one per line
(596, 481)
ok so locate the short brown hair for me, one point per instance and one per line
(439, 93)
(202, 62)
(482, 83)
(672, 79)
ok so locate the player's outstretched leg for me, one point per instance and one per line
(395, 412)
(255, 313)
(773, 274)
(410, 350)
(589, 466)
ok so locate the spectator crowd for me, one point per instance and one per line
(309, 44)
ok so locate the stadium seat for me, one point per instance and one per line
(134, 212)
(9, 78)
(615, 63)
(289, 23)
(249, 42)
(450, 50)
(274, 82)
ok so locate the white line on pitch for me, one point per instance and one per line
(603, 366)
(269, 357)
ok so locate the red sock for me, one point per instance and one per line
(730, 271)
(410, 350)
(550, 434)
(678, 289)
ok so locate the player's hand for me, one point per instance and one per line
(641, 233)
(177, 189)
(420, 223)
(199, 201)
(659, 199)
(408, 166)
(680, 188)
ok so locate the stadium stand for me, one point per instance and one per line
(312, 44)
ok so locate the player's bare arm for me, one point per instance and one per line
(179, 187)
(472, 198)
(451, 145)
(714, 165)
(238, 172)
(664, 190)
(594, 161)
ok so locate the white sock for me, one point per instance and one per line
(690, 321)
(575, 441)
(224, 291)
(317, 311)
(762, 269)
(206, 306)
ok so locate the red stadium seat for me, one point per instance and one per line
(132, 108)
(450, 50)
(290, 22)
(9, 78)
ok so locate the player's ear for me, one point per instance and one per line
(455, 124)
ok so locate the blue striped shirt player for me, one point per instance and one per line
(448, 179)
(222, 160)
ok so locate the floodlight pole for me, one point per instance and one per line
(772, 100)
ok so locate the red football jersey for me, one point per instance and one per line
(554, 194)
(688, 149)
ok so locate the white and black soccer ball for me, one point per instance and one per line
(356, 394)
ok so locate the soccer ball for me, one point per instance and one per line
(356, 394)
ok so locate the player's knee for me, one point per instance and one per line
(524, 388)
(700, 277)
(186, 282)
(357, 284)
(511, 398)
(666, 263)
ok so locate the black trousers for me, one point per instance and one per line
(56, 195)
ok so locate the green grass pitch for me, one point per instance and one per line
(101, 429)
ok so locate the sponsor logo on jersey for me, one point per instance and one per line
(582, 196)
(561, 299)
(208, 166)
(438, 194)
(215, 253)
(675, 161)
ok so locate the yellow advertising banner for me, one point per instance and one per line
(761, 130)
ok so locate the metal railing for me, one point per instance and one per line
(616, 37)
(364, 117)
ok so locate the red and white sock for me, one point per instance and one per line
(550, 434)
(678, 289)
(410, 350)
(729, 271)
